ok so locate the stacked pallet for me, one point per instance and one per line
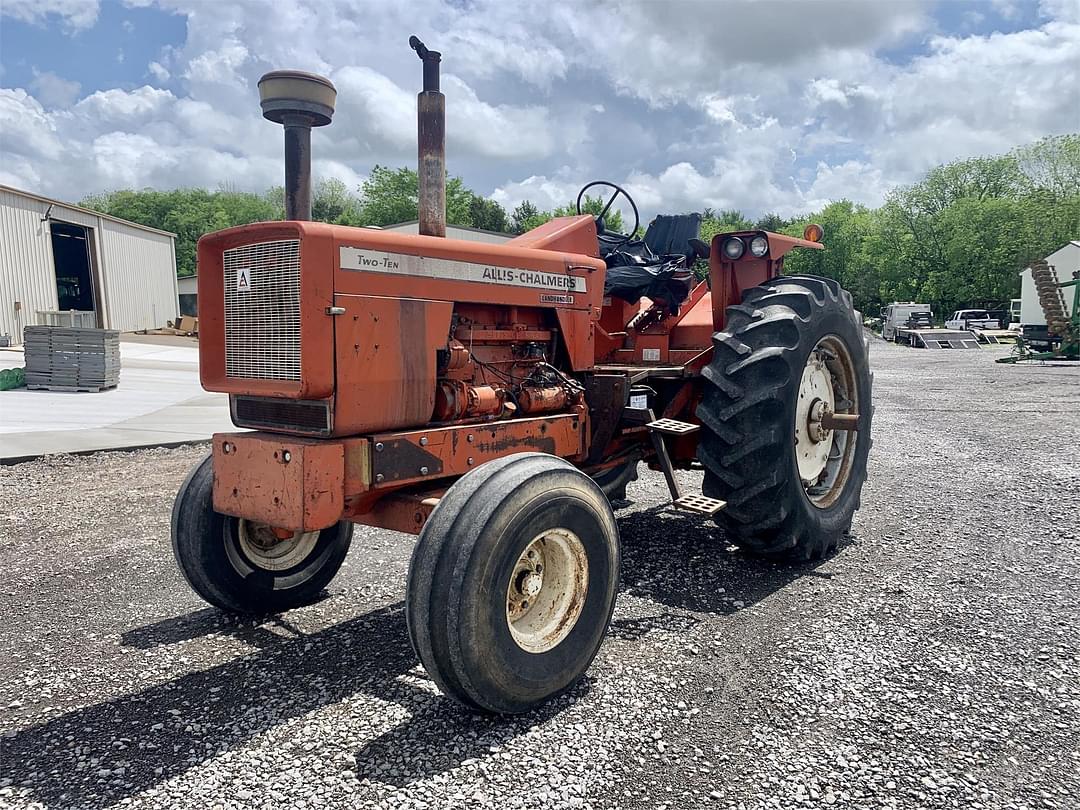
(61, 358)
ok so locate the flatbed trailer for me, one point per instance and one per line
(937, 338)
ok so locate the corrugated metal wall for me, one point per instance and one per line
(136, 268)
(456, 232)
(139, 275)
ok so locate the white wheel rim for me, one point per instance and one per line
(815, 396)
(267, 551)
(547, 589)
(824, 457)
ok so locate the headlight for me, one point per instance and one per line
(734, 248)
(759, 246)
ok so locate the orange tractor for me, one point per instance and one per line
(494, 399)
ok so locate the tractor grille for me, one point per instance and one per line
(262, 311)
(296, 415)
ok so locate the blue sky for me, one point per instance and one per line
(764, 105)
(114, 52)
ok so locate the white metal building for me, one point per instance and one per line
(62, 264)
(454, 232)
(1065, 261)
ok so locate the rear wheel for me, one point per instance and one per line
(791, 357)
(513, 582)
(243, 566)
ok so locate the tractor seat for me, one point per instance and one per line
(671, 233)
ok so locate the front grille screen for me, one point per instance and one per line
(299, 415)
(262, 311)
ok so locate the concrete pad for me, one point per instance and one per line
(159, 401)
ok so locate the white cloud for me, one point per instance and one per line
(159, 71)
(221, 66)
(54, 91)
(543, 192)
(1061, 10)
(979, 95)
(720, 108)
(692, 105)
(826, 90)
(76, 15)
(110, 109)
(29, 132)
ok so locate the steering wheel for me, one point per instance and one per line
(618, 190)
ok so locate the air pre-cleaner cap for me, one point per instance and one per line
(294, 92)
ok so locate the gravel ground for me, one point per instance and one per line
(934, 661)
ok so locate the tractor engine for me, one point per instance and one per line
(499, 377)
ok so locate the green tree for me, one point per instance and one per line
(728, 221)
(331, 201)
(771, 222)
(488, 215)
(613, 220)
(957, 237)
(526, 217)
(189, 213)
(846, 227)
(1052, 165)
(389, 196)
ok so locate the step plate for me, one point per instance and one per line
(672, 427)
(702, 504)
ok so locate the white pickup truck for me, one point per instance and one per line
(972, 319)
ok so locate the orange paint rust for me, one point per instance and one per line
(285, 482)
(405, 511)
(454, 451)
(386, 361)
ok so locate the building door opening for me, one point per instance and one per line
(74, 274)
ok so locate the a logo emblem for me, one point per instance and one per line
(243, 280)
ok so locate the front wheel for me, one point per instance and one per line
(512, 583)
(786, 417)
(245, 567)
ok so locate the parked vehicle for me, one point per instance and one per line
(972, 319)
(901, 315)
(912, 324)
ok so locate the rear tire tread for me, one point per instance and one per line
(747, 410)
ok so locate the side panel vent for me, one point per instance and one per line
(310, 417)
(262, 311)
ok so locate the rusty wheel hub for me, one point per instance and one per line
(265, 547)
(547, 589)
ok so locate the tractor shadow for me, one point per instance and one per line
(684, 561)
(168, 729)
(678, 561)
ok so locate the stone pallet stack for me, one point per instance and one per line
(60, 358)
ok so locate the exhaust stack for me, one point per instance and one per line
(431, 139)
(298, 101)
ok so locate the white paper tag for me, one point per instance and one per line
(639, 401)
(650, 355)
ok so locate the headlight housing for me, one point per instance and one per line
(733, 248)
(759, 246)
